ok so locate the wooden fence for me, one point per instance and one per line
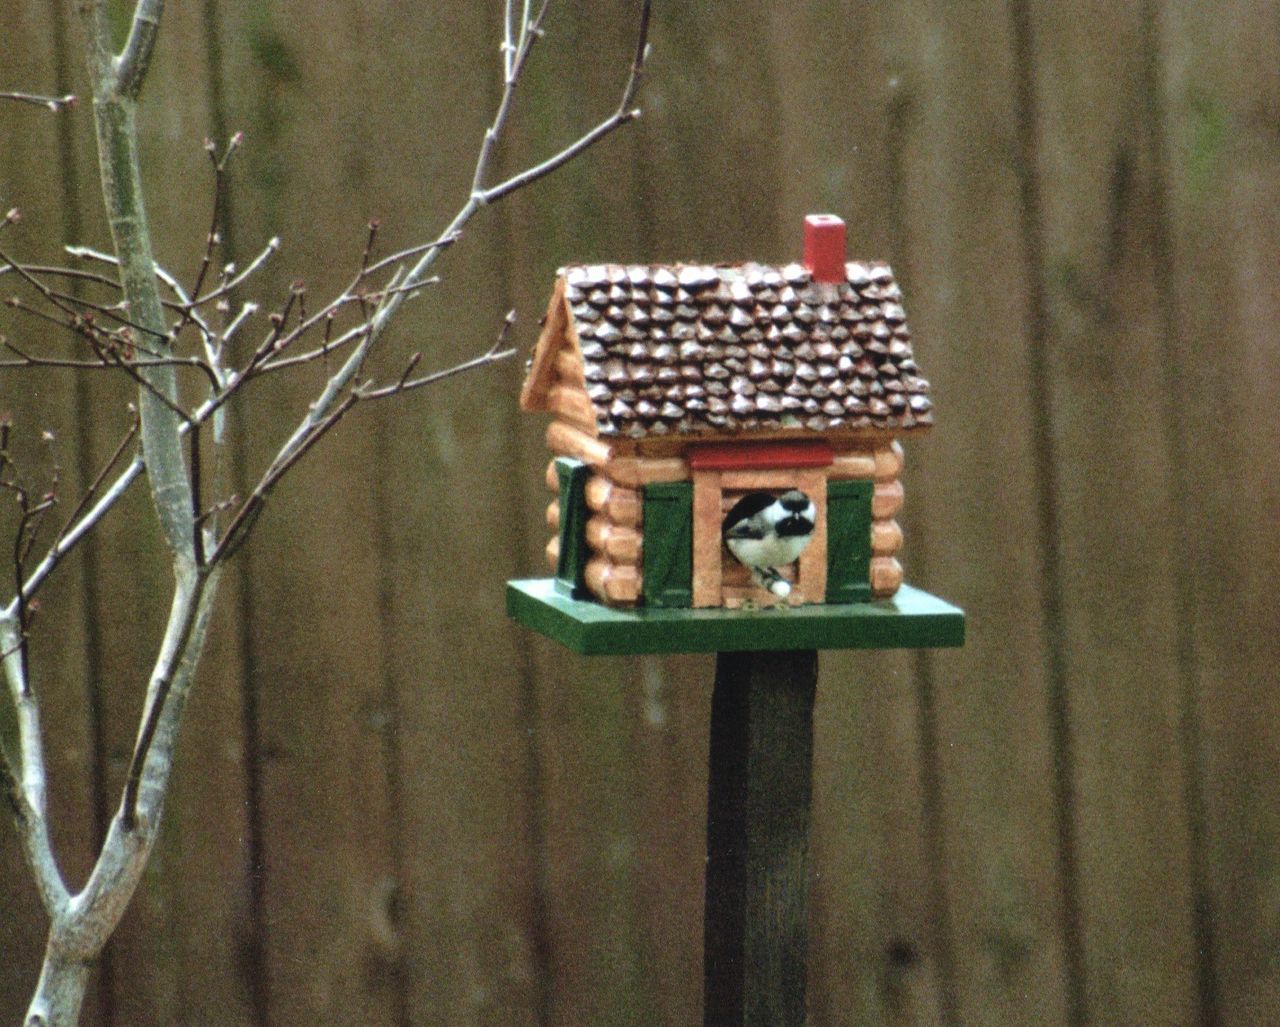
(394, 807)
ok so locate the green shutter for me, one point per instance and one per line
(571, 568)
(668, 544)
(849, 541)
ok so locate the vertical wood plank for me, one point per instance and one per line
(36, 402)
(473, 940)
(458, 744)
(670, 729)
(1216, 93)
(879, 937)
(1116, 571)
(65, 665)
(620, 742)
(322, 944)
(394, 768)
(970, 516)
(197, 873)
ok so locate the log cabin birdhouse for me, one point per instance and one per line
(694, 406)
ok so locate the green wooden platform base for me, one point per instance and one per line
(910, 620)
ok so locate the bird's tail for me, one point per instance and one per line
(771, 581)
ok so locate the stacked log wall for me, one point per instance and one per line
(613, 530)
(614, 538)
(881, 463)
(614, 496)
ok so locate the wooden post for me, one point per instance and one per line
(757, 897)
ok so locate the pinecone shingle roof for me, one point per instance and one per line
(701, 349)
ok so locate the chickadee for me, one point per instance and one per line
(766, 532)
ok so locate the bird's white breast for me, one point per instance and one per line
(768, 552)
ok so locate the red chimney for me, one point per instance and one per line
(824, 247)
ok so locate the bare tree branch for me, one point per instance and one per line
(183, 615)
(96, 484)
(135, 58)
(619, 117)
(494, 354)
(116, 84)
(53, 103)
(71, 537)
(185, 330)
(480, 196)
(30, 797)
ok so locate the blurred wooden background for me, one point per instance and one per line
(394, 807)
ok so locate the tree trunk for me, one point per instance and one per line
(60, 992)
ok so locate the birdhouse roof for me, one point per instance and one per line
(730, 349)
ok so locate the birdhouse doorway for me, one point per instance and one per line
(722, 475)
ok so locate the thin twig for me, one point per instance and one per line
(30, 518)
(30, 360)
(374, 223)
(53, 103)
(238, 530)
(494, 354)
(101, 476)
(66, 272)
(72, 537)
(213, 237)
(619, 117)
(412, 251)
(480, 196)
(38, 285)
(197, 502)
(131, 369)
(234, 280)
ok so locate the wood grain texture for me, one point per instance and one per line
(886, 537)
(552, 345)
(890, 460)
(759, 795)
(570, 439)
(887, 499)
(65, 656)
(998, 846)
(877, 937)
(886, 576)
(708, 519)
(1218, 179)
(620, 544)
(1099, 265)
(571, 405)
(418, 814)
(614, 582)
(621, 505)
(324, 864)
(636, 471)
(569, 368)
(854, 463)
